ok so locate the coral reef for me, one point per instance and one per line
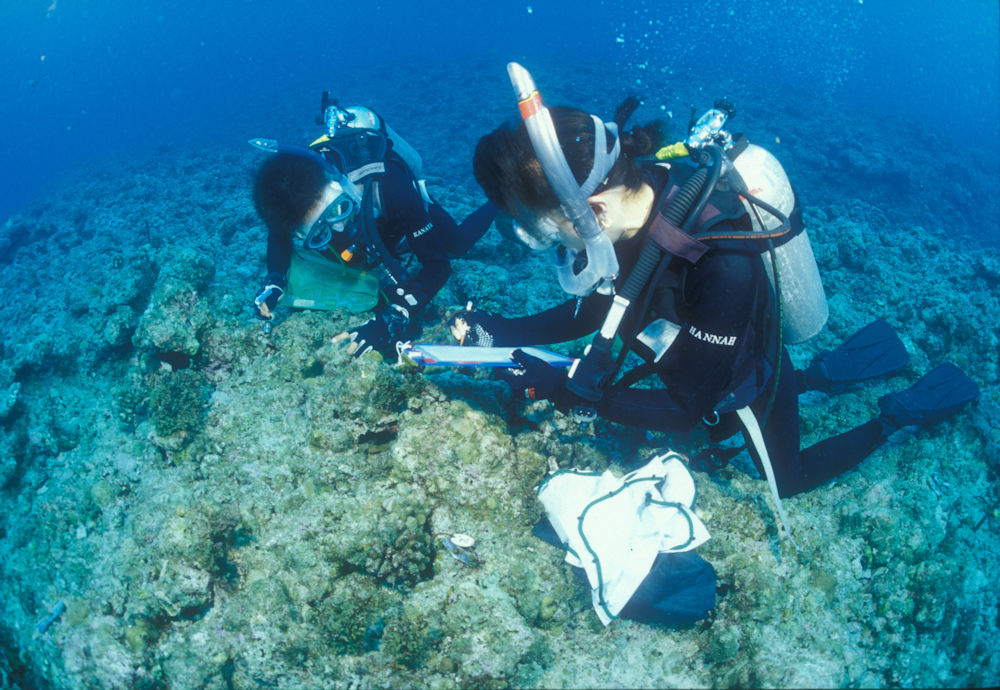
(221, 507)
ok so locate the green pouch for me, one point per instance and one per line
(315, 282)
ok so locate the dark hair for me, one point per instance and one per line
(285, 188)
(507, 169)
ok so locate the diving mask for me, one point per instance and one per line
(336, 218)
(535, 240)
(581, 271)
(342, 195)
(537, 231)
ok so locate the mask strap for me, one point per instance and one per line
(604, 160)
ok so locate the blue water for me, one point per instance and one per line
(83, 78)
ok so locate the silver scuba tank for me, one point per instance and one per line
(804, 310)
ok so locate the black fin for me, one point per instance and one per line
(873, 351)
(935, 396)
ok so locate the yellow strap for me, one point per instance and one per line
(678, 150)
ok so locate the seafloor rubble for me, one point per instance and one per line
(219, 507)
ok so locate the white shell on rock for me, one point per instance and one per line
(463, 540)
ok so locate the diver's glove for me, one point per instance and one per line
(381, 332)
(475, 328)
(536, 380)
(267, 298)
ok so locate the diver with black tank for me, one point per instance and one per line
(353, 209)
(692, 264)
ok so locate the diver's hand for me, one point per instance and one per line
(380, 333)
(535, 380)
(373, 334)
(267, 299)
(475, 328)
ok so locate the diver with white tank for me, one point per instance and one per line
(697, 262)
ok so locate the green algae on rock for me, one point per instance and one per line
(178, 401)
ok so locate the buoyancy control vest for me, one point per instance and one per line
(683, 230)
(748, 183)
(658, 318)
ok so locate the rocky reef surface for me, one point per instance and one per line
(188, 501)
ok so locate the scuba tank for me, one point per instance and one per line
(362, 144)
(760, 180)
(410, 156)
(803, 302)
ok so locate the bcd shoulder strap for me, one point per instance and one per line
(371, 201)
(675, 240)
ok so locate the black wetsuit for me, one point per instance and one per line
(722, 359)
(407, 225)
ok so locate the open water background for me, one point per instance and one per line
(82, 79)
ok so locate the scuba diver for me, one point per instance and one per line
(702, 268)
(351, 203)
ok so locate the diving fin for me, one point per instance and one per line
(873, 351)
(935, 396)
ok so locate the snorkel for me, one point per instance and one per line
(601, 266)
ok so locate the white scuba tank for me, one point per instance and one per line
(804, 310)
(412, 159)
(406, 152)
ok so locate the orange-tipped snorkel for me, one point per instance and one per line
(602, 265)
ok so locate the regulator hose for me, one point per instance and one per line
(589, 377)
